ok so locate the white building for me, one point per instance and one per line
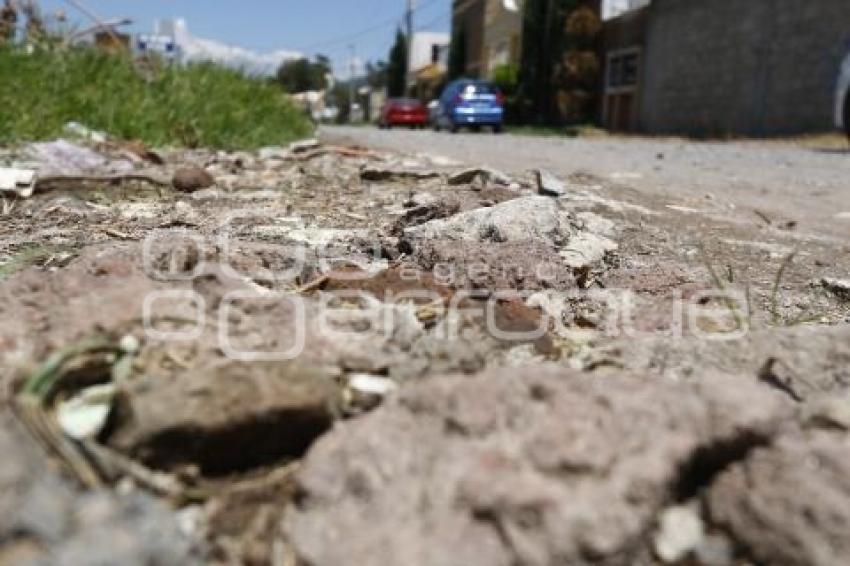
(428, 47)
(614, 8)
(163, 40)
(172, 39)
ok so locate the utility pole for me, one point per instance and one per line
(351, 84)
(411, 7)
(544, 79)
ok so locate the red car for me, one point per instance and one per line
(403, 112)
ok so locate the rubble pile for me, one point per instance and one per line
(240, 356)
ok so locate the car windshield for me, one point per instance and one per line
(473, 89)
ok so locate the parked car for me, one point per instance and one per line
(842, 98)
(403, 112)
(329, 114)
(470, 103)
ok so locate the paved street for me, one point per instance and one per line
(740, 180)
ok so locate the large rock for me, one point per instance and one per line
(581, 239)
(191, 179)
(528, 218)
(789, 504)
(534, 466)
(224, 418)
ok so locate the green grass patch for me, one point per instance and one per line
(28, 256)
(161, 104)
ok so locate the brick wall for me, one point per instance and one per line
(751, 67)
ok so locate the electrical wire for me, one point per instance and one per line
(395, 21)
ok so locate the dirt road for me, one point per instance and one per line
(642, 357)
(784, 181)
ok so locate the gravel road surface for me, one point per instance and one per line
(785, 182)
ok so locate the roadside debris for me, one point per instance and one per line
(526, 218)
(439, 310)
(302, 146)
(484, 175)
(84, 132)
(549, 185)
(378, 173)
(681, 531)
(63, 158)
(20, 182)
(839, 287)
(83, 416)
(191, 179)
(828, 412)
(591, 241)
(365, 391)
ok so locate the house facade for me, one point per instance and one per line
(428, 64)
(468, 26)
(502, 34)
(624, 40)
(493, 33)
(725, 67)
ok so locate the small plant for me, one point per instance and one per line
(776, 317)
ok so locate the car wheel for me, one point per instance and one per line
(454, 128)
(497, 129)
(476, 129)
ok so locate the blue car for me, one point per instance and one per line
(471, 103)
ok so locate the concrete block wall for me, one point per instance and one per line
(752, 68)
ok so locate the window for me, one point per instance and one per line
(623, 70)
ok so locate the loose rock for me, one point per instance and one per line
(302, 146)
(375, 173)
(191, 179)
(521, 219)
(790, 503)
(680, 532)
(839, 287)
(529, 466)
(548, 184)
(484, 174)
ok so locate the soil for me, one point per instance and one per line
(531, 352)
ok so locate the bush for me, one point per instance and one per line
(160, 104)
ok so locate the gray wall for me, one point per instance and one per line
(743, 67)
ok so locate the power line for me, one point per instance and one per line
(435, 21)
(348, 38)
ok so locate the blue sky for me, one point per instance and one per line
(309, 26)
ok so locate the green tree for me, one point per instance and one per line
(376, 74)
(544, 40)
(301, 75)
(578, 74)
(397, 66)
(457, 53)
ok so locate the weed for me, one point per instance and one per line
(32, 255)
(194, 105)
(776, 318)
